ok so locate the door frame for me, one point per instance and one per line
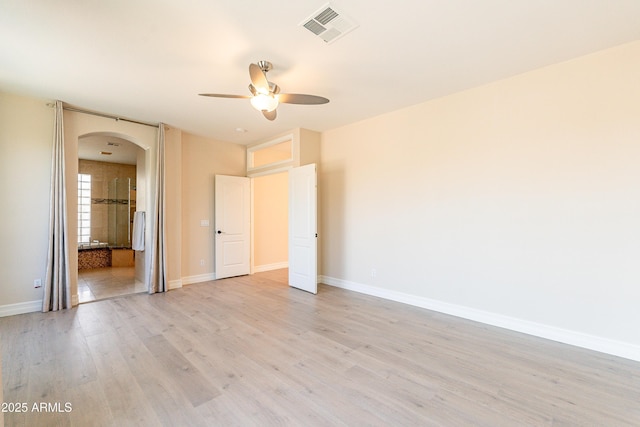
(286, 169)
(144, 137)
(275, 171)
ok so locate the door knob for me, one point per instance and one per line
(219, 232)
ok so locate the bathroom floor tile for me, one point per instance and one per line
(107, 282)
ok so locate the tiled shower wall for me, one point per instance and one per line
(101, 174)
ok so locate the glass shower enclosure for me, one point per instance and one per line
(122, 204)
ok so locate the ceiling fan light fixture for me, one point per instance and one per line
(262, 102)
(266, 95)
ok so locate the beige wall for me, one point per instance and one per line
(520, 199)
(270, 221)
(26, 136)
(203, 158)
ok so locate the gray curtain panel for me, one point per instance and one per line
(57, 286)
(158, 272)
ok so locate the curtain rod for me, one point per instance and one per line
(108, 116)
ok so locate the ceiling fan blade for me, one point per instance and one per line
(222, 95)
(270, 115)
(259, 78)
(297, 98)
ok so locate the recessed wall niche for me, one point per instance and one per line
(295, 148)
(272, 153)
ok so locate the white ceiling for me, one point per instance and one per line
(148, 59)
(106, 148)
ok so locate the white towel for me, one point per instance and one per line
(137, 243)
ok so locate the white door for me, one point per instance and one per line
(232, 225)
(303, 261)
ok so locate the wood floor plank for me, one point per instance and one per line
(167, 399)
(128, 404)
(188, 378)
(251, 351)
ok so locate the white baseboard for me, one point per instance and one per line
(269, 267)
(579, 339)
(199, 278)
(20, 308)
(175, 284)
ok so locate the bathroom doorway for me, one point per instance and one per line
(107, 201)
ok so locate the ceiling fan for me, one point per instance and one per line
(265, 95)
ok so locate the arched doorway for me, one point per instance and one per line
(81, 125)
(107, 201)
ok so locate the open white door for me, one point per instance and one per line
(233, 225)
(303, 261)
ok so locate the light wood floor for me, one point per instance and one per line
(251, 351)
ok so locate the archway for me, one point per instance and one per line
(79, 125)
(109, 167)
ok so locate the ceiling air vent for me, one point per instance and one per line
(329, 24)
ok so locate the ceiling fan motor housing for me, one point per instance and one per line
(265, 66)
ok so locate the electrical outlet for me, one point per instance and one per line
(373, 272)
(201, 262)
(37, 283)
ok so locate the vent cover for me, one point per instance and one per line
(329, 24)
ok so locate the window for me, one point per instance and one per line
(84, 208)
